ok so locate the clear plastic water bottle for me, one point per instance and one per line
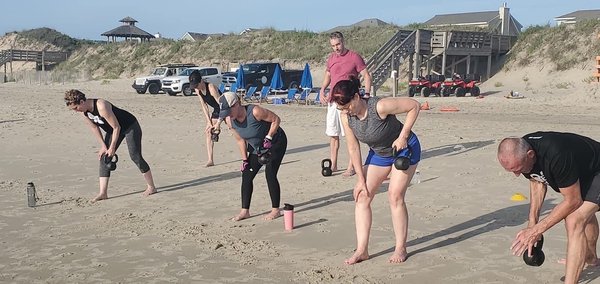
(31, 194)
(416, 177)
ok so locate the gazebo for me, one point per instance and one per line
(128, 31)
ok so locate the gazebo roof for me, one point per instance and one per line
(128, 31)
(128, 20)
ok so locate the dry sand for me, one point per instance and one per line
(462, 220)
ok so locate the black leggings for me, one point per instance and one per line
(133, 134)
(271, 169)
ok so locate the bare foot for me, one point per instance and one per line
(149, 191)
(593, 262)
(274, 214)
(334, 169)
(356, 258)
(398, 256)
(209, 164)
(99, 197)
(245, 213)
(348, 173)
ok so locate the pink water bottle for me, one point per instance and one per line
(288, 216)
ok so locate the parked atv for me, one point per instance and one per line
(430, 84)
(460, 86)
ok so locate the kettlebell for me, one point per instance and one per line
(264, 158)
(110, 163)
(537, 255)
(403, 162)
(326, 168)
(214, 135)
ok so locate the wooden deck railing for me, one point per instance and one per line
(41, 57)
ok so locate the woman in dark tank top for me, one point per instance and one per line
(208, 95)
(373, 121)
(118, 124)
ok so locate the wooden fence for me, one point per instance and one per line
(35, 77)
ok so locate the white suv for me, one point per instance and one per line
(181, 83)
(152, 83)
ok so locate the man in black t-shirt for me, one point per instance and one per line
(569, 164)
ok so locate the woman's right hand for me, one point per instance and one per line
(245, 165)
(360, 188)
(208, 128)
(102, 151)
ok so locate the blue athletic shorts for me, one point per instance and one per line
(415, 157)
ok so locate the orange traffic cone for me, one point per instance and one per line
(425, 106)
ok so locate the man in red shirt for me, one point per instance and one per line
(341, 64)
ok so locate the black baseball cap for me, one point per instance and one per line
(195, 79)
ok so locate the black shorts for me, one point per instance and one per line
(590, 190)
(215, 114)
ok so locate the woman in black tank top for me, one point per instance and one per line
(208, 95)
(118, 124)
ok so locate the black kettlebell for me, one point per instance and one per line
(326, 168)
(265, 157)
(214, 134)
(403, 162)
(537, 255)
(110, 163)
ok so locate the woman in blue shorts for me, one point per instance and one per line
(373, 121)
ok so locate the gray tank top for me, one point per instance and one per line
(378, 133)
(252, 130)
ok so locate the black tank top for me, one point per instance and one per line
(209, 99)
(124, 118)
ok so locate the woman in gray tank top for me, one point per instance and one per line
(373, 121)
(257, 132)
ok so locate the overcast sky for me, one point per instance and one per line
(88, 18)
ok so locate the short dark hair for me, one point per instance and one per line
(337, 35)
(345, 90)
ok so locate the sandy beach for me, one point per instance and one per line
(462, 221)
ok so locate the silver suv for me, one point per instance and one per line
(174, 85)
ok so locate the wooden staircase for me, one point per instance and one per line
(390, 56)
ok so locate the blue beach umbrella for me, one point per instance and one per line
(240, 78)
(306, 81)
(276, 81)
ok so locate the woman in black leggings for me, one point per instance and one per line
(257, 133)
(118, 124)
